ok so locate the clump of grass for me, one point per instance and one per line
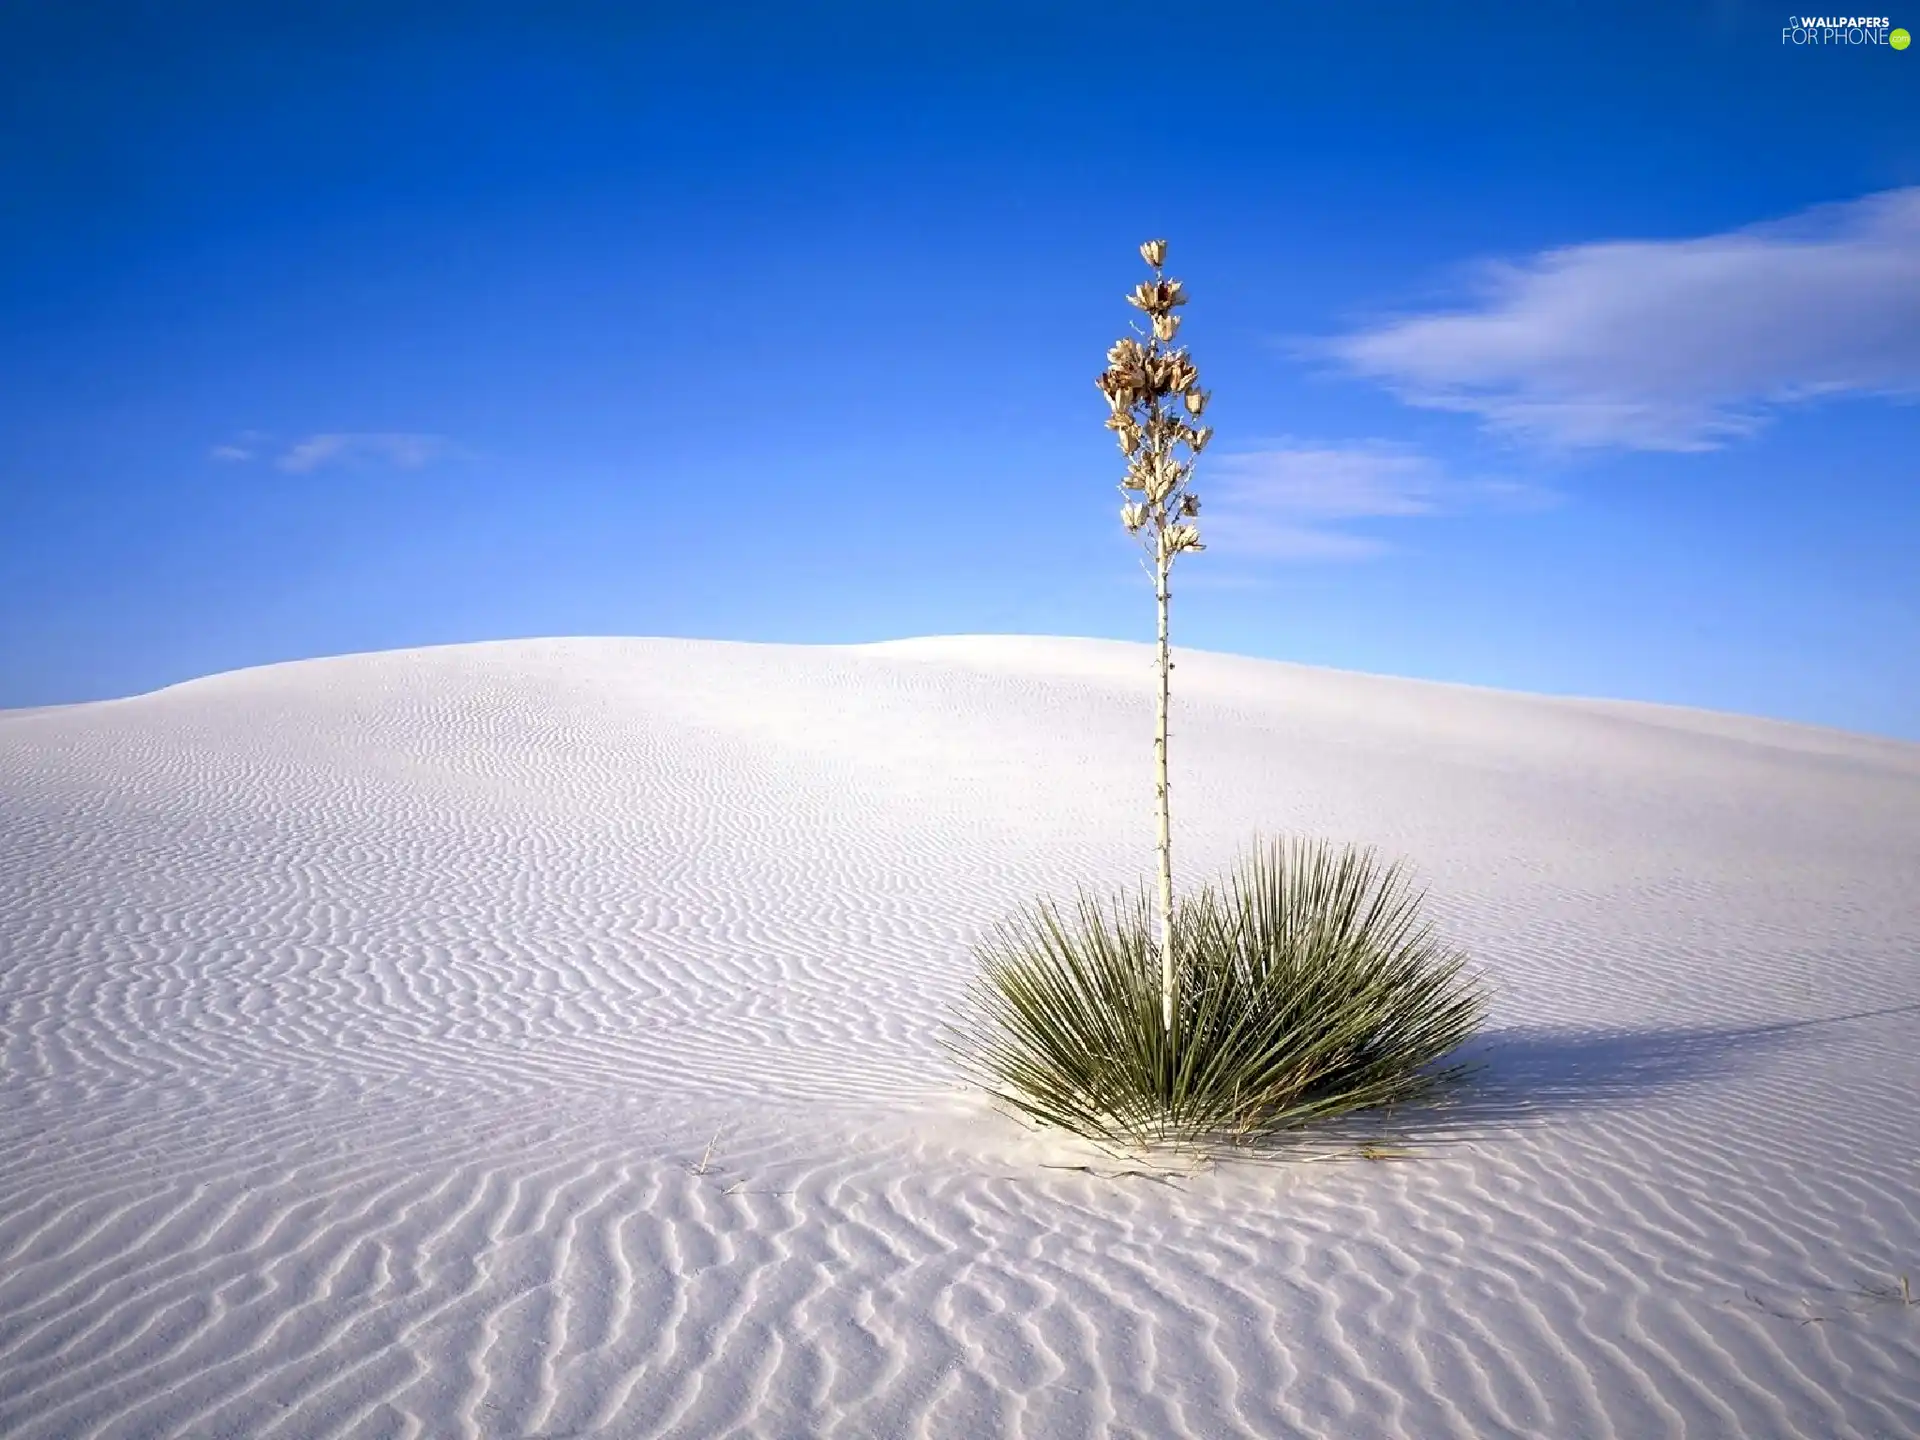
(1310, 989)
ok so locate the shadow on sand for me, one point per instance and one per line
(1525, 1075)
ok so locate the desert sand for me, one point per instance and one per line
(541, 1038)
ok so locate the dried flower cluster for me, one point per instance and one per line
(1154, 394)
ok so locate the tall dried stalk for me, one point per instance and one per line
(1140, 383)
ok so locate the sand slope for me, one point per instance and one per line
(365, 1023)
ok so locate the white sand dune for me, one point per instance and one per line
(365, 1023)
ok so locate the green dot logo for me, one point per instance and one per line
(1899, 39)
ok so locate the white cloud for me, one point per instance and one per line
(338, 447)
(1284, 502)
(406, 451)
(243, 447)
(1676, 344)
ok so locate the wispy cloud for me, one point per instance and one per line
(1286, 501)
(1671, 345)
(400, 449)
(405, 451)
(243, 447)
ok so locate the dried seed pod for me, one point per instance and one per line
(1154, 252)
(1164, 477)
(1196, 399)
(1119, 390)
(1156, 297)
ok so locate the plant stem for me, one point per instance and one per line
(1160, 791)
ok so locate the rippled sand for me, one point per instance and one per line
(540, 1039)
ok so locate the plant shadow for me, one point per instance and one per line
(1526, 1075)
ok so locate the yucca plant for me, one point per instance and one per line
(1310, 989)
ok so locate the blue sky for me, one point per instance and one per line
(1553, 347)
